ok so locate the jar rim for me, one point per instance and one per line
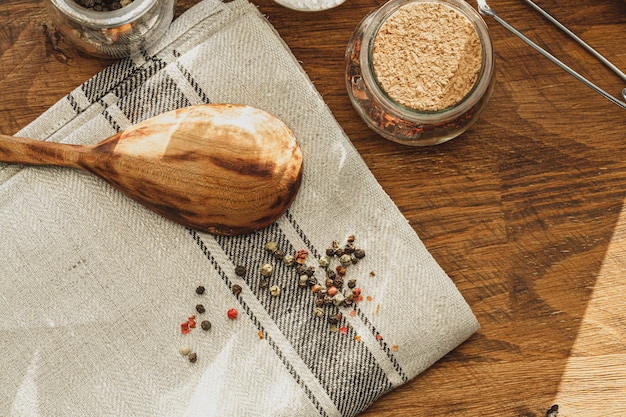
(481, 85)
(103, 19)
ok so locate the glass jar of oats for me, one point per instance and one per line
(420, 72)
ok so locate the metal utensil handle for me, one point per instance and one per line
(581, 42)
(485, 10)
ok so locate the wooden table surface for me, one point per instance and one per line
(524, 211)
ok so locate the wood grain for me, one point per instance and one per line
(524, 211)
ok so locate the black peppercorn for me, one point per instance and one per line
(338, 282)
(200, 290)
(206, 325)
(351, 283)
(333, 320)
(236, 289)
(200, 308)
(193, 357)
(330, 252)
(359, 253)
(240, 270)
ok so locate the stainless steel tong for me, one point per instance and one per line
(485, 10)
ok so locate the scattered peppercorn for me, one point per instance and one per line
(232, 313)
(271, 246)
(200, 308)
(275, 290)
(301, 256)
(267, 270)
(240, 270)
(288, 260)
(303, 281)
(200, 290)
(236, 289)
(193, 357)
(206, 325)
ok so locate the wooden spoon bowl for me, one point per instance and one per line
(219, 168)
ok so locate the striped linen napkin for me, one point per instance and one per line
(99, 296)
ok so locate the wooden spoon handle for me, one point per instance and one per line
(37, 152)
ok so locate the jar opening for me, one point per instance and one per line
(103, 19)
(439, 48)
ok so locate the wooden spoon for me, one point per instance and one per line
(220, 168)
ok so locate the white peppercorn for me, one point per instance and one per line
(267, 270)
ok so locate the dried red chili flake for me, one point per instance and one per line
(353, 313)
(301, 256)
(192, 322)
(184, 327)
(261, 335)
(356, 291)
(232, 313)
(343, 330)
(379, 337)
(395, 347)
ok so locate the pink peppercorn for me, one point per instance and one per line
(232, 313)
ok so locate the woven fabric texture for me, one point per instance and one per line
(94, 287)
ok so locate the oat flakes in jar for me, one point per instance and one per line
(420, 72)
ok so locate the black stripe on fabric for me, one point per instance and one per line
(74, 104)
(360, 313)
(383, 344)
(192, 81)
(257, 323)
(344, 366)
(108, 117)
(121, 78)
(152, 98)
(105, 81)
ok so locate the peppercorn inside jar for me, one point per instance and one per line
(420, 72)
(111, 28)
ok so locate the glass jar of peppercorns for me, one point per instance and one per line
(111, 28)
(420, 72)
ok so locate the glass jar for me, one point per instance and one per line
(406, 123)
(116, 33)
